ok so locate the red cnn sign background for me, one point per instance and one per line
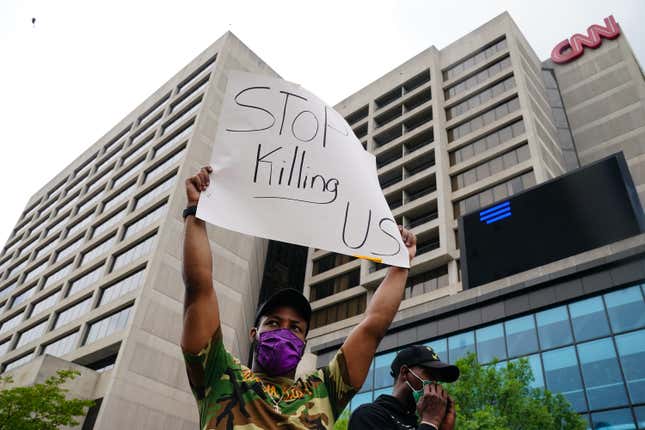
(569, 50)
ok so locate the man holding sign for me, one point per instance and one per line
(231, 396)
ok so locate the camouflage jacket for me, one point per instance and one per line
(231, 397)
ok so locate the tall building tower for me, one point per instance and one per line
(455, 131)
(91, 275)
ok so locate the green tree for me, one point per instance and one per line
(40, 406)
(501, 398)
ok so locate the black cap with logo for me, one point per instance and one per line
(286, 297)
(419, 355)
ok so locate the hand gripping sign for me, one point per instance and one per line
(288, 167)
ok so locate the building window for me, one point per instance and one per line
(85, 280)
(10, 323)
(8, 289)
(330, 261)
(154, 109)
(9, 365)
(21, 298)
(201, 71)
(601, 374)
(178, 120)
(145, 221)
(563, 376)
(142, 148)
(62, 346)
(107, 326)
(553, 328)
(150, 195)
(491, 344)
(36, 270)
(472, 60)
(129, 173)
(108, 222)
(339, 311)
(46, 303)
(175, 139)
(521, 337)
(122, 287)
(73, 312)
(80, 224)
(141, 135)
(478, 78)
(100, 249)
(185, 100)
(487, 142)
(426, 282)
(31, 334)
(59, 274)
(626, 309)
(484, 119)
(82, 208)
(56, 224)
(357, 115)
(162, 167)
(631, 349)
(460, 345)
(139, 250)
(108, 158)
(480, 98)
(335, 285)
(69, 249)
(17, 268)
(120, 195)
(45, 249)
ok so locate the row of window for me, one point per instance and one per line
(474, 59)
(481, 98)
(493, 194)
(487, 142)
(339, 311)
(107, 223)
(407, 87)
(484, 119)
(496, 165)
(478, 78)
(590, 350)
(95, 331)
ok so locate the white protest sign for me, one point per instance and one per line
(288, 167)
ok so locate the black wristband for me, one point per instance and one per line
(190, 210)
(426, 426)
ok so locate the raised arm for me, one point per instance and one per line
(360, 346)
(201, 312)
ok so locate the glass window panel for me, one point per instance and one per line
(521, 338)
(126, 285)
(563, 376)
(490, 343)
(460, 345)
(361, 399)
(150, 195)
(45, 303)
(19, 362)
(631, 350)
(108, 325)
(618, 419)
(601, 374)
(85, 281)
(386, 390)
(73, 312)
(589, 319)
(61, 346)
(553, 327)
(31, 334)
(626, 309)
(10, 323)
(640, 416)
(382, 377)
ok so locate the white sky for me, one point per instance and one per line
(87, 64)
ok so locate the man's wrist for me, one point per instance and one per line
(190, 210)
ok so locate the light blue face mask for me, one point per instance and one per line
(417, 394)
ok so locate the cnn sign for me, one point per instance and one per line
(570, 49)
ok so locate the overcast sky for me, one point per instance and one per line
(85, 65)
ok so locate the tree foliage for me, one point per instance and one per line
(501, 398)
(40, 406)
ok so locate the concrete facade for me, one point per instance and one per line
(138, 168)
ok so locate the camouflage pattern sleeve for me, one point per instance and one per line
(338, 386)
(207, 366)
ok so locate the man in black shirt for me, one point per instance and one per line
(417, 400)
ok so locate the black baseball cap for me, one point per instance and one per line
(286, 297)
(419, 355)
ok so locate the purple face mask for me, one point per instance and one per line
(279, 351)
